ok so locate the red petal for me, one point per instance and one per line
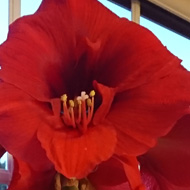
(109, 173)
(107, 95)
(170, 158)
(74, 154)
(133, 63)
(124, 56)
(26, 178)
(39, 53)
(123, 186)
(51, 33)
(2, 151)
(130, 165)
(20, 116)
(143, 114)
(148, 179)
(155, 181)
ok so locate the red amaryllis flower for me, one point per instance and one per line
(108, 175)
(25, 177)
(167, 166)
(66, 48)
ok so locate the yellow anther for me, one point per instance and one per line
(71, 103)
(89, 102)
(79, 102)
(64, 97)
(92, 93)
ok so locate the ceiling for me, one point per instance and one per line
(180, 8)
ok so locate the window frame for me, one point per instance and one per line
(159, 15)
(6, 175)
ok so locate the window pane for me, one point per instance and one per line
(4, 162)
(3, 187)
(3, 20)
(176, 43)
(121, 12)
(29, 7)
(6, 169)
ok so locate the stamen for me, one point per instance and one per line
(83, 186)
(61, 182)
(89, 104)
(80, 110)
(84, 96)
(66, 117)
(71, 103)
(92, 94)
(64, 97)
(84, 120)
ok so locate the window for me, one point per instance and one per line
(175, 38)
(6, 168)
(176, 43)
(120, 11)
(3, 20)
(29, 7)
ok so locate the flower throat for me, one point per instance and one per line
(78, 113)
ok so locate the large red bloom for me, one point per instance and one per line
(25, 177)
(167, 166)
(68, 47)
(109, 175)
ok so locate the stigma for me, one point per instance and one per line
(78, 113)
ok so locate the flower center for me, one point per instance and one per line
(63, 183)
(78, 113)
